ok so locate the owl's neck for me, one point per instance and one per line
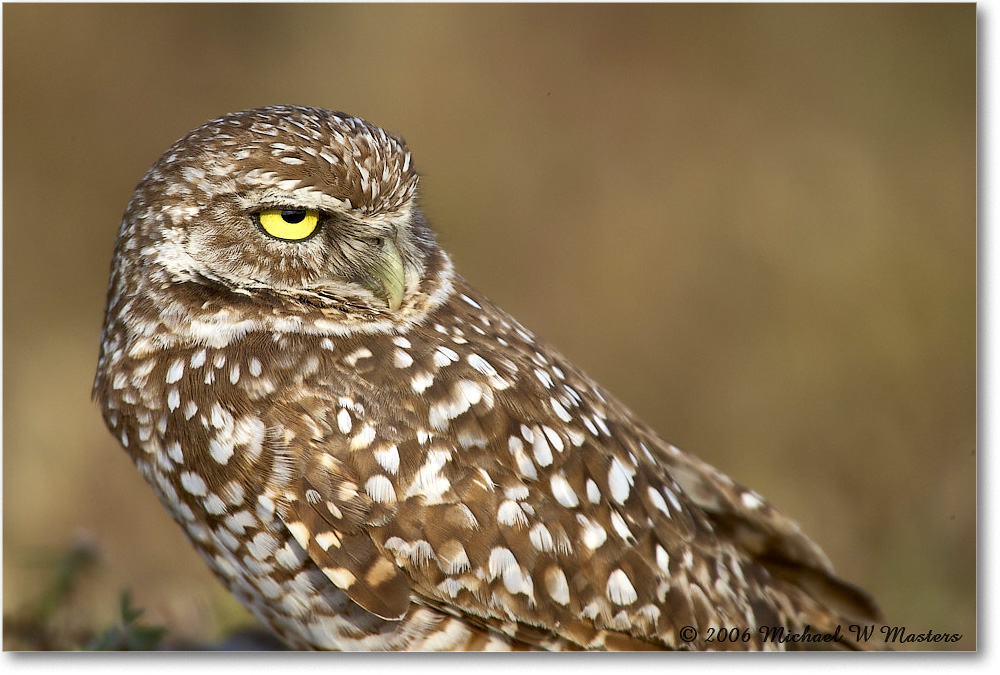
(211, 315)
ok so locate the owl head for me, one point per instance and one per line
(284, 211)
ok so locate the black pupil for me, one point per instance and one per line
(293, 215)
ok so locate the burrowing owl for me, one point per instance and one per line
(372, 455)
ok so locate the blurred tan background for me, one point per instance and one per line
(754, 224)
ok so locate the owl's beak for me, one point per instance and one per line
(385, 276)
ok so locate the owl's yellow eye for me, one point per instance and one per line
(291, 224)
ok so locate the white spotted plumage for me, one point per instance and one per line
(372, 455)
